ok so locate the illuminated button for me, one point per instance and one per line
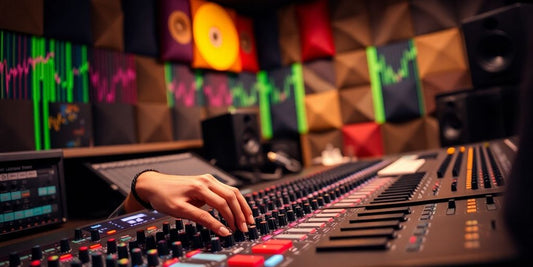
(312, 225)
(170, 262)
(272, 247)
(471, 222)
(471, 229)
(151, 228)
(209, 257)
(334, 211)
(182, 264)
(192, 253)
(274, 261)
(327, 215)
(95, 246)
(111, 232)
(291, 237)
(246, 261)
(316, 220)
(471, 236)
(65, 257)
(471, 210)
(301, 230)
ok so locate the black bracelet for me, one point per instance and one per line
(143, 203)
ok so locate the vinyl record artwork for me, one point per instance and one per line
(175, 27)
(216, 40)
(247, 44)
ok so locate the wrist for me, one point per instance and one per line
(139, 189)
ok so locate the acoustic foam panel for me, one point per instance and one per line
(114, 124)
(107, 24)
(395, 83)
(267, 37)
(140, 31)
(154, 122)
(362, 140)
(150, 80)
(18, 131)
(247, 44)
(68, 20)
(313, 143)
(467, 9)
(70, 125)
(175, 30)
(216, 41)
(216, 90)
(418, 134)
(390, 21)
(244, 89)
(289, 35)
(323, 111)
(351, 69)
(282, 101)
(350, 25)
(112, 77)
(315, 30)
(433, 15)
(182, 86)
(442, 64)
(186, 122)
(24, 16)
(319, 76)
(356, 104)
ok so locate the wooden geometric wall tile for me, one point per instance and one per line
(412, 135)
(433, 15)
(114, 124)
(319, 76)
(313, 143)
(18, 131)
(186, 122)
(350, 24)
(154, 123)
(323, 111)
(390, 21)
(107, 24)
(150, 80)
(439, 83)
(440, 52)
(467, 9)
(356, 104)
(351, 69)
(24, 16)
(289, 38)
(362, 139)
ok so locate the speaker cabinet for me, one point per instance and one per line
(233, 140)
(473, 116)
(496, 43)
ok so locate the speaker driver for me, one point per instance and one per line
(496, 52)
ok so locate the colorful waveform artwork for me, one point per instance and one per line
(216, 89)
(395, 82)
(282, 104)
(183, 86)
(113, 78)
(70, 125)
(244, 89)
(44, 71)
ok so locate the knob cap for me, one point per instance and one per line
(160, 236)
(136, 256)
(228, 241)
(76, 263)
(83, 254)
(238, 236)
(36, 263)
(272, 224)
(111, 260)
(64, 245)
(122, 249)
(162, 248)
(177, 249)
(179, 224)
(36, 253)
(150, 242)
(53, 261)
(14, 259)
(173, 235)
(252, 233)
(123, 262)
(215, 244)
(153, 259)
(78, 234)
(97, 259)
(166, 228)
(141, 237)
(291, 217)
(111, 246)
(282, 219)
(263, 227)
(95, 235)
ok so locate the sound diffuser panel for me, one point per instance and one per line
(68, 20)
(186, 122)
(323, 111)
(362, 140)
(267, 37)
(351, 69)
(114, 124)
(247, 44)
(418, 134)
(140, 30)
(313, 143)
(175, 30)
(390, 21)
(289, 35)
(350, 25)
(315, 30)
(24, 16)
(107, 24)
(433, 15)
(154, 123)
(150, 80)
(319, 76)
(17, 132)
(356, 104)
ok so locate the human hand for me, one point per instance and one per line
(183, 197)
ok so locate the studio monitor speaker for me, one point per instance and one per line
(477, 115)
(496, 43)
(233, 140)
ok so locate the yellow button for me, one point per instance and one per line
(471, 210)
(471, 244)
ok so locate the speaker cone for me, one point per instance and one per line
(496, 51)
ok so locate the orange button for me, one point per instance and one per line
(110, 232)
(151, 228)
(168, 263)
(95, 246)
(240, 260)
(192, 253)
(65, 257)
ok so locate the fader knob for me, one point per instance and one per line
(53, 261)
(162, 248)
(36, 252)
(37, 263)
(95, 235)
(263, 227)
(136, 257)
(239, 236)
(111, 260)
(64, 245)
(159, 236)
(255, 211)
(150, 242)
(14, 259)
(282, 219)
(215, 244)
(97, 259)
(78, 234)
(83, 254)
(228, 241)
(141, 237)
(173, 236)
(111, 246)
(179, 224)
(166, 228)
(252, 233)
(122, 249)
(291, 217)
(177, 249)
(153, 259)
(123, 263)
(272, 225)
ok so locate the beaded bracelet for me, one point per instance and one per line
(143, 203)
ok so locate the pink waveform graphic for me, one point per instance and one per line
(219, 97)
(182, 93)
(106, 90)
(21, 69)
(75, 72)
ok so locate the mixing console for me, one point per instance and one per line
(352, 214)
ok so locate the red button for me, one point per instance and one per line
(192, 253)
(272, 247)
(170, 262)
(65, 257)
(240, 260)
